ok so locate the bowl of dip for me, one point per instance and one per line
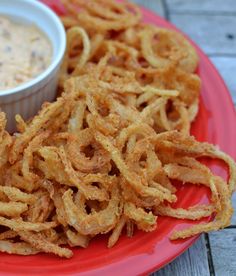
(32, 46)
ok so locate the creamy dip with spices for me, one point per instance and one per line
(25, 52)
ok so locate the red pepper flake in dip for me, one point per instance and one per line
(25, 52)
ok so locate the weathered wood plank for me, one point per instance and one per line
(202, 6)
(156, 6)
(193, 262)
(223, 250)
(227, 68)
(214, 34)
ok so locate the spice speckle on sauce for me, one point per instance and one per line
(25, 52)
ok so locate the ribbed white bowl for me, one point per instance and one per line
(26, 99)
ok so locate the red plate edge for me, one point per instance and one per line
(217, 127)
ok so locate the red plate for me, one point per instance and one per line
(146, 252)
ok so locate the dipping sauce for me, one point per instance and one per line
(25, 52)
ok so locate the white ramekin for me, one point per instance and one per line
(26, 99)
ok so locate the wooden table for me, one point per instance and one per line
(212, 25)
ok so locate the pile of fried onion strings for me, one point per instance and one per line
(104, 157)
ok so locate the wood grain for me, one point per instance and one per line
(214, 34)
(210, 6)
(227, 68)
(192, 262)
(156, 6)
(223, 250)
